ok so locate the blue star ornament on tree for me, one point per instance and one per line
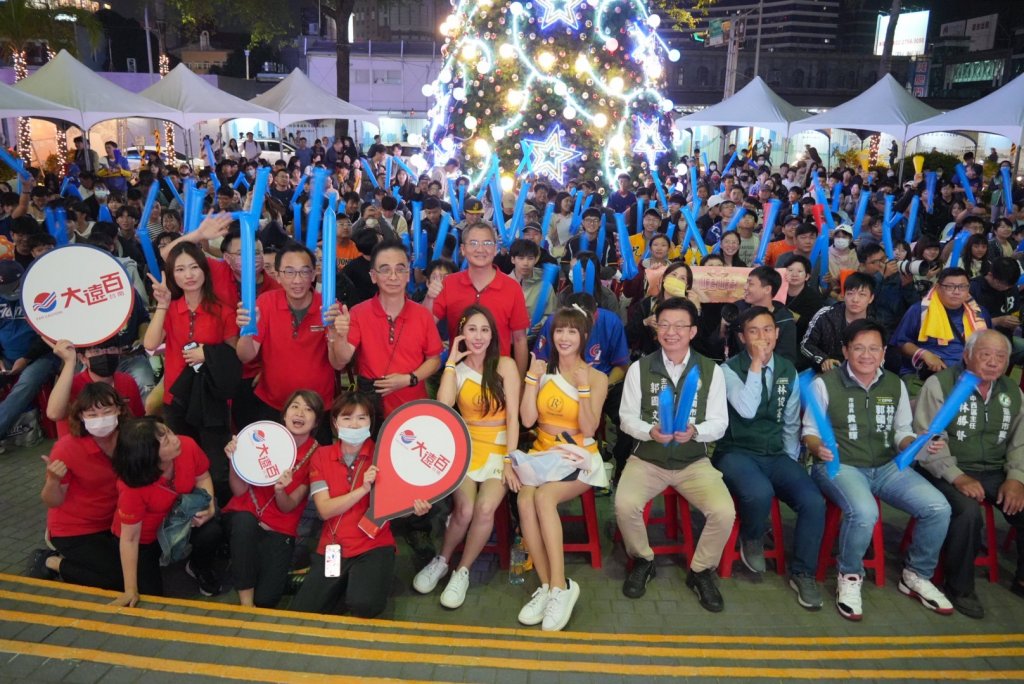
(649, 142)
(549, 157)
(559, 10)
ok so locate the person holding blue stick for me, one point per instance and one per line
(983, 461)
(684, 465)
(759, 454)
(869, 411)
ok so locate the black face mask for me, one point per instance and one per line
(104, 365)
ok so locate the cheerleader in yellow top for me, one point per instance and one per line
(563, 398)
(484, 386)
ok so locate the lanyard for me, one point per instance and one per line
(298, 466)
(352, 478)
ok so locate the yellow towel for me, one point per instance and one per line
(935, 320)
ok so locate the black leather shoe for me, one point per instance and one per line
(703, 584)
(635, 585)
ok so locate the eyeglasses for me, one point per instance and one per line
(958, 287)
(388, 271)
(674, 327)
(875, 262)
(474, 244)
(292, 274)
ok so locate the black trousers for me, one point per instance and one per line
(92, 560)
(260, 558)
(964, 538)
(212, 441)
(364, 584)
(243, 404)
(623, 446)
(149, 575)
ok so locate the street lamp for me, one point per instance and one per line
(247, 51)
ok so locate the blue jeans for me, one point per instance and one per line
(26, 387)
(853, 491)
(137, 366)
(755, 479)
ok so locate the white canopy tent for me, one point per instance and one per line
(296, 98)
(754, 105)
(66, 81)
(13, 103)
(885, 107)
(1000, 112)
(197, 100)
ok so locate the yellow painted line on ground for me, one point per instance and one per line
(618, 639)
(146, 663)
(502, 644)
(530, 665)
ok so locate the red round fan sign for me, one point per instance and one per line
(422, 452)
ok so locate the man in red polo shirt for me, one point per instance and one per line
(484, 284)
(397, 339)
(297, 349)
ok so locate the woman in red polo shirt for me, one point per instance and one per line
(189, 318)
(485, 387)
(340, 478)
(263, 521)
(81, 493)
(154, 468)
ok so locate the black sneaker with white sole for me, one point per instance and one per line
(643, 572)
(208, 579)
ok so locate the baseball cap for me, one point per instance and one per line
(715, 200)
(10, 276)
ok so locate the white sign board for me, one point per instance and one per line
(911, 33)
(982, 32)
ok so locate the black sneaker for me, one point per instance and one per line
(643, 572)
(966, 604)
(37, 565)
(209, 581)
(703, 584)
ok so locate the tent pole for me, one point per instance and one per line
(1016, 157)
(903, 159)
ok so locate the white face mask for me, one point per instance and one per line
(100, 427)
(841, 243)
(354, 436)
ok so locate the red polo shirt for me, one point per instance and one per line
(182, 326)
(262, 501)
(294, 357)
(124, 385)
(91, 497)
(503, 296)
(329, 473)
(385, 347)
(229, 291)
(151, 504)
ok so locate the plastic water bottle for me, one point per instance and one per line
(517, 563)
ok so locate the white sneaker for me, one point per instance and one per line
(915, 586)
(560, 605)
(455, 593)
(533, 612)
(427, 578)
(848, 601)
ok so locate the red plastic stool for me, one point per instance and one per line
(502, 545)
(592, 545)
(731, 553)
(833, 518)
(989, 559)
(676, 516)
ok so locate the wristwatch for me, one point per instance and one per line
(413, 380)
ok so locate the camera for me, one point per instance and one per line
(916, 267)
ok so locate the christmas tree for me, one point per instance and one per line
(557, 88)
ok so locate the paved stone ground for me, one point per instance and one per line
(54, 632)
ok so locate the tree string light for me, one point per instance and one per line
(550, 80)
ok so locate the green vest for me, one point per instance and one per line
(863, 419)
(761, 434)
(654, 376)
(978, 435)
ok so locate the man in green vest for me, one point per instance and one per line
(758, 454)
(869, 410)
(678, 459)
(987, 438)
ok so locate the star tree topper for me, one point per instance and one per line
(559, 10)
(549, 157)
